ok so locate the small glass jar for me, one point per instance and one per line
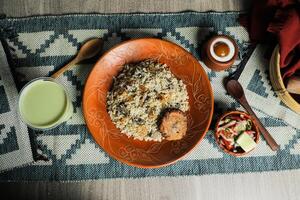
(44, 104)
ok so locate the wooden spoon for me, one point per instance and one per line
(88, 50)
(235, 89)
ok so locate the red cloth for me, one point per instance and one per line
(281, 17)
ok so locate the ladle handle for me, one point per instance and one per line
(65, 68)
(269, 139)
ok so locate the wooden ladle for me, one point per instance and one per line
(235, 89)
(88, 50)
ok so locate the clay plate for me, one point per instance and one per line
(139, 153)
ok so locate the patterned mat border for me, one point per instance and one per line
(114, 169)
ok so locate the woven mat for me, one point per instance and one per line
(44, 44)
(15, 149)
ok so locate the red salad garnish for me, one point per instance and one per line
(231, 127)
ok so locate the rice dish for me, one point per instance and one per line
(140, 94)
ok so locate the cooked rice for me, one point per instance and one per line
(140, 93)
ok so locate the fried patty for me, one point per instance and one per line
(174, 125)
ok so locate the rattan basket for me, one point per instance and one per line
(278, 85)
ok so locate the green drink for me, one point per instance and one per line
(44, 104)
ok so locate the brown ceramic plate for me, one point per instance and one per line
(140, 153)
